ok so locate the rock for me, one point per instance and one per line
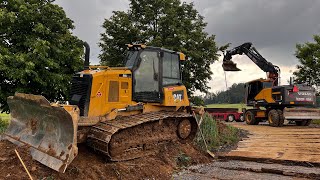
(3, 158)
(33, 168)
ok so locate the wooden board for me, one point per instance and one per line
(287, 143)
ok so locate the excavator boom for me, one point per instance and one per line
(247, 49)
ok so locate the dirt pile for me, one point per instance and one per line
(89, 165)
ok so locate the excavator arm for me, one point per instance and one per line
(247, 49)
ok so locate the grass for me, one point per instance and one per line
(4, 121)
(316, 121)
(183, 160)
(226, 106)
(216, 134)
(239, 106)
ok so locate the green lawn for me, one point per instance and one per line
(4, 121)
(316, 122)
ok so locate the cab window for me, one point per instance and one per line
(146, 75)
(171, 69)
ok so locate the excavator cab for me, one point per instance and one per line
(253, 88)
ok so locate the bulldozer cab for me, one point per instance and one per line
(152, 69)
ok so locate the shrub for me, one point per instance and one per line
(215, 133)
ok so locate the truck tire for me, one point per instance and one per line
(306, 122)
(273, 118)
(281, 118)
(230, 118)
(250, 118)
(300, 123)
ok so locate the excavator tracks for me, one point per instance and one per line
(135, 136)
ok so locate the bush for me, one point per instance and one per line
(183, 160)
(4, 122)
(216, 134)
(315, 121)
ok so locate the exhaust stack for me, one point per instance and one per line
(86, 56)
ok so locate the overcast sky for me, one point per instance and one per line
(273, 26)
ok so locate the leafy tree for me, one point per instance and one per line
(197, 101)
(163, 23)
(309, 57)
(38, 53)
(234, 95)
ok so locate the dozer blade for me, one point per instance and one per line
(230, 66)
(48, 131)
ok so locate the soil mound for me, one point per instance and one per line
(89, 165)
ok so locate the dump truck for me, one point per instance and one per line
(270, 100)
(122, 113)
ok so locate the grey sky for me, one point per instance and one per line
(274, 27)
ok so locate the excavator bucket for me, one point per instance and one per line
(48, 131)
(230, 66)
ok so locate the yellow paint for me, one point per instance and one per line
(137, 45)
(261, 114)
(152, 107)
(265, 94)
(100, 105)
(182, 56)
(170, 100)
(276, 93)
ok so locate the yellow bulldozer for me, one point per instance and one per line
(121, 112)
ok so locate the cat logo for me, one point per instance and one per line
(177, 95)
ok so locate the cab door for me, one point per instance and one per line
(146, 77)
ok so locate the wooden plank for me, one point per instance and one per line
(283, 139)
(288, 143)
(289, 157)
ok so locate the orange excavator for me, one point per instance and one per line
(270, 100)
(122, 113)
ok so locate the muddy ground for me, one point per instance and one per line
(88, 165)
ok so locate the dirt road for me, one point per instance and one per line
(247, 170)
(289, 152)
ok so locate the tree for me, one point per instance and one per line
(38, 53)
(197, 101)
(309, 56)
(163, 23)
(233, 95)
